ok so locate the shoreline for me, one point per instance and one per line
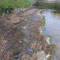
(24, 36)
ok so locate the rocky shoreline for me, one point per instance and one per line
(22, 38)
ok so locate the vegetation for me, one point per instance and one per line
(7, 5)
(55, 6)
(42, 22)
(15, 3)
(52, 50)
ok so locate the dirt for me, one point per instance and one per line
(15, 28)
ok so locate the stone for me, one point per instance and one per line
(40, 55)
(36, 45)
(15, 20)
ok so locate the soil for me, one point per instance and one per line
(20, 36)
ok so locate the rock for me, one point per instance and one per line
(26, 57)
(15, 20)
(40, 55)
(36, 45)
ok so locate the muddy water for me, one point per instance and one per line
(52, 27)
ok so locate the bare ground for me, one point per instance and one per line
(16, 27)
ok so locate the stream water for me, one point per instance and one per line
(52, 27)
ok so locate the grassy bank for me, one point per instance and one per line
(6, 6)
(55, 6)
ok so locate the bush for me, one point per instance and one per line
(5, 10)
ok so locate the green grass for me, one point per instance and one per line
(8, 5)
(55, 6)
(15, 4)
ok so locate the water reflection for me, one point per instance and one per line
(52, 27)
